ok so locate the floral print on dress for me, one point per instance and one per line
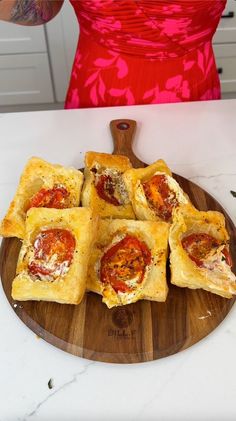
(144, 51)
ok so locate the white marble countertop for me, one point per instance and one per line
(198, 141)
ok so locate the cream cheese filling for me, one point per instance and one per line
(120, 191)
(173, 185)
(56, 269)
(216, 262)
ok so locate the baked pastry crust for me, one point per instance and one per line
(184, 271)
(155, 236)
(134, 178)
(70, 287)
(39, 174)
(116, 164)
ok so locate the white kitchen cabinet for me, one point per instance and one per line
(226, 32)
(62, 34)
(224, 44)
(15, 39)
(25, 76)
(226, 63)
(25, 79)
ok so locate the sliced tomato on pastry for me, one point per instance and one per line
(105, 186)
(53, 253)
(160, 196)
(124, 264)
(50, 198)
(199, 246)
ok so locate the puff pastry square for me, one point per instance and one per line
(104, 190)
(67, 283)
(117, 238)
(145, 195)
(37, 178)
(201, 266)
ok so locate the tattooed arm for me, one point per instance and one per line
(29, 12)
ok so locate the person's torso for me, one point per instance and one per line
(158, 29)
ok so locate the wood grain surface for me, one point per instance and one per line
(134, 333)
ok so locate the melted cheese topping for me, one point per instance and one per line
(59, 270)
(215, 262)
(216, 270)
(174, 186)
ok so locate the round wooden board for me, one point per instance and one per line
(135, 333)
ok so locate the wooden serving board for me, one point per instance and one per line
(134, 333)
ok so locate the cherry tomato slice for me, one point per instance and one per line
(48, 243)
(50, 198)
(199, 245)
(123, 262)
(38, 269)
(228, 257)
(161, 198)
(105, 189)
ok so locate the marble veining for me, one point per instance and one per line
(193, 177)
(55, 392)
(157, 393)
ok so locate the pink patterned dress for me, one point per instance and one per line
(144, 52)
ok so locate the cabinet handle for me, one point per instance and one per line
(229, 15)
(220, 70)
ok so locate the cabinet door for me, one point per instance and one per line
(15, 39)
(226, 31)
(226, 64)
(62, 33)
(25, 79)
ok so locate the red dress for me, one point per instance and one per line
(144, 52)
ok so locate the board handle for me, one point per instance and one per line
(123, 131)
